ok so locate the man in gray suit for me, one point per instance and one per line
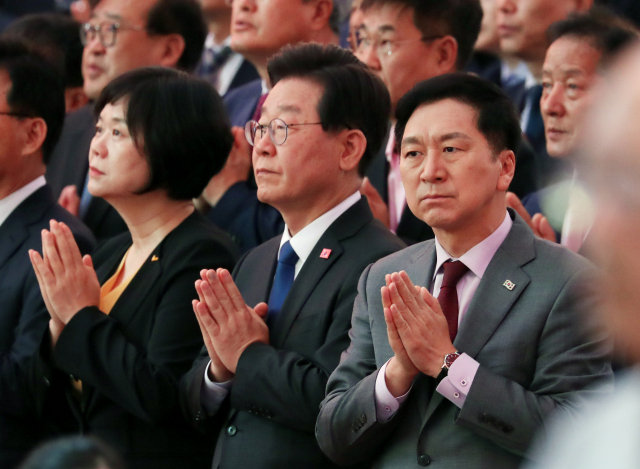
(466, 379)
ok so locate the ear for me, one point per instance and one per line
(507, 161)
(171, 49)
(75, 98)
(447, 53)
(35, 131)
(354, 144)
(321, 12)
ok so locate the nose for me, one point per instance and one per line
(93, 45)
(433, 168)
(244, 5)
(506, 6)
(98, 146)
(262, 145)
(552, 101)
(369, 56)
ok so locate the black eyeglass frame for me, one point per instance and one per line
(88, 28)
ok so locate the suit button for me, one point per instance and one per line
(232, 430)
(199, 416)
(424, 460)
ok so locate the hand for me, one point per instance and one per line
(234, 325)
(539, 223)
(420, 324)
(69, 200)
(67, 280)
(376, 204)
(235, 170)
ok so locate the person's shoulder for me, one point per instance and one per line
(558, 258)
(241, 92)
(401, 258)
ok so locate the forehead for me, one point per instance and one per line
(132, 10)
(444, 117)
(293, 96)
(388, 16)
(572, 54)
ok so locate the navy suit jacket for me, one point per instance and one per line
(241, 102)
(25, 419)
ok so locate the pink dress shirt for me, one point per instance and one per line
(395, 188)
(456, 385)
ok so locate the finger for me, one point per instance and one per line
(87, 261)
(392, 331)
(405, 291)
(262, 309)
(50, 254)
(386, 297)
(70, 242)
(211, 300)
(410, 286)
(220, 293)
(398, 304)
(514, 202)
(431, 301)
(39, 267)
(208, 321)
(232, 290)
(543, 227)
(399, 320)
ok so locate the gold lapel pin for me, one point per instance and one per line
(154, 258)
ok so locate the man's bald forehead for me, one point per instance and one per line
(132, 10)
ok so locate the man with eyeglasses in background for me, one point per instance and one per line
(122, 35)
(405, 42)
(259, 384)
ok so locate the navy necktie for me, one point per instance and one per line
(448, 296)
(283, 280)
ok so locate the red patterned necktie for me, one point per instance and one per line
(448, 297)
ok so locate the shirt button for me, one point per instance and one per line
(387, 408)
(463, 382)
(232, 430)
(456, 394)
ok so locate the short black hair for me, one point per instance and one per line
(605, 31)
(75, 452)
(458, 18)
(56, 38)
(178, 122)
(37, 89)
(183, 17)
(497, 119)
(353, 97)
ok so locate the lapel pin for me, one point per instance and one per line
(325, 253)
(509, 285)
(154, 258)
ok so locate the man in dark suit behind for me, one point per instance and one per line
(31, 116)
(464, 380)
(260, 384)
(168, 33)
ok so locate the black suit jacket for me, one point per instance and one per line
(130, 361)
(23, 321)
(268, 419)
(69, 164)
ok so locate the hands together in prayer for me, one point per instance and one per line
(227, 323)
(417, 330)
(67, 280)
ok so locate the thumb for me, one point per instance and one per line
(86, 260)
(261, 310)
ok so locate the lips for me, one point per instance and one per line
(93, 71)
(554, 133)
(242, 25)
(93, 171)
(507, 31)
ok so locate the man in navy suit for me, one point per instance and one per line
(258, 31)
(31, 114)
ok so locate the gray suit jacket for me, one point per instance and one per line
(537, 350)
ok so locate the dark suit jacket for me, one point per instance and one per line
(537, 350)
(69, 164)
(130, 361)
(24, 420)
(245, 74)
(268, 418)
(241, 102)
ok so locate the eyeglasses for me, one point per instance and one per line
(106, 31)
(385, 47)
(278, 130)
(15, 114)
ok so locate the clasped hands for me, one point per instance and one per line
(418, 332)
(67, 280)
(227, 323)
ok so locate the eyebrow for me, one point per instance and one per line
(570, 72)
(284, 108)
(454, 135)
(113, 16)
(411, 140)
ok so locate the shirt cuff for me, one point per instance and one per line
(213, 394)
(386, 404)
(455, 386)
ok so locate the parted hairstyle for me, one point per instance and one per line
(75, 452)
(37, 89)
(183, 17)
(55, 36)
(496, 117)
(352, 98)
(605, 31)
(178, 123)
(458, 18)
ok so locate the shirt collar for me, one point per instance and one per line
(13, 200)
(478, 257)
(306, 239)
(391, 142)
(210, 43)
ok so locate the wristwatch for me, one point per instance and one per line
(449, 359)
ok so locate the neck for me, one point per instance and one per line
(219, 24)
(151, 216)
(301, 213)
(10, 183)
(458, 240)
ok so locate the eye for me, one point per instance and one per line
(411, 154)
(450, 149)
(116, 133)
(98, 130)
(547, 85)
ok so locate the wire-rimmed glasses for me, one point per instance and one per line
(106, 31)
(277, 128)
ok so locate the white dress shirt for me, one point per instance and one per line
(230, 67)
(13, 200)
(302, 243)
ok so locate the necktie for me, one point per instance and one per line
(283, 279)
(448, 297)
(258, 112)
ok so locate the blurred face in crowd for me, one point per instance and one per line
(488, 39)
(116, 167)
(304, 171)
(260, 28)
(613, 149)
(213, 6)
(568, 75)
(133, 47)
(395, 49)
(522, 24)
(10, 132)
(453, 179)
(355, 22)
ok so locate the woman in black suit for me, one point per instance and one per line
(125, 333)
